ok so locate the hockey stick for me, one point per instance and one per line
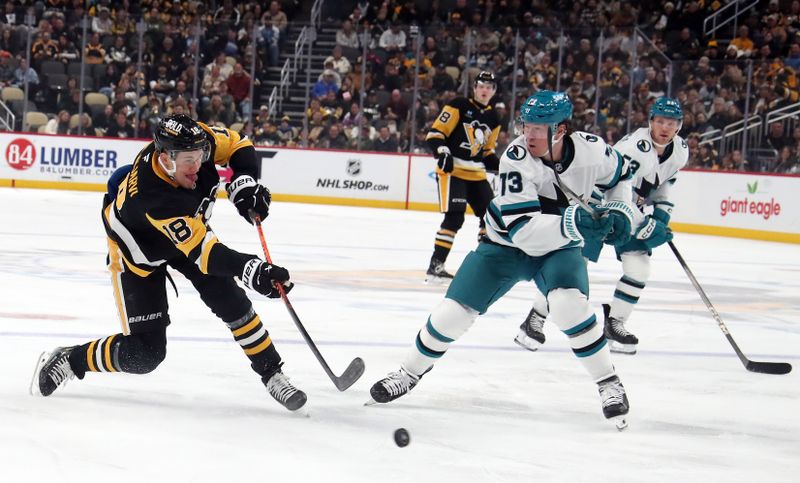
(356, 367)
(752, 366)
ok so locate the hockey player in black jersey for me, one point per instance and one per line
(156, 215)
(463, 140)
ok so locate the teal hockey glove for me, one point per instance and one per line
(653, 232)
(578, 224)
(621, 216)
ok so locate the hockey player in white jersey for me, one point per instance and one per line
(655, 154)
(535, 233)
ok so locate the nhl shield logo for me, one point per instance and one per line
(353, 167)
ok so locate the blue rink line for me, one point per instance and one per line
(509, 348)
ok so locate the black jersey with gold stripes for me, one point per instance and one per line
(154, 221)
(469, 129)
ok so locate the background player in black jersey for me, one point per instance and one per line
(463, 139)
(156, 215)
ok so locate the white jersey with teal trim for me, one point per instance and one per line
(527, 212)
(653, 175)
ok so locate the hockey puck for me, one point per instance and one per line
(401, 437)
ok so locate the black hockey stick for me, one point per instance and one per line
(752, 366)
(356, 367)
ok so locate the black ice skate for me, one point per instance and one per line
(530, 334)
(436, 273)
(392, 386)
(52, 371)
(284, 391)
(614, 401)
(619, 339)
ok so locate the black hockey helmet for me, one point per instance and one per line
(180, 133)
(486, 77)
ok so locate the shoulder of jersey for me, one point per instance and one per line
(516, 151)
(639, 141)
(588, 141)
(459, 102)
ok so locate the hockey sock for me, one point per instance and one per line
(256, 343)
(443, 244)
(636, 272)
(570, 312)
(135, 353)
(448, 321)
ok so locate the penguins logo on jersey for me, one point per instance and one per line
(477, 134)
(643, 146)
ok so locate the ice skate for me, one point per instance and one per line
(530, 334)
(52, 371)
(436, 273)
(620, 340)
(280, 388)
(614, 401)
(392, 387)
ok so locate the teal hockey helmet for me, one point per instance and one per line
(546, 107)
(667, 107)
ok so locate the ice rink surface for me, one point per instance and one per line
(489, 411)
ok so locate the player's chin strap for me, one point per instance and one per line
(551, 140)
(172, 156)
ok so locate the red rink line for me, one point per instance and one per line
(13, 315)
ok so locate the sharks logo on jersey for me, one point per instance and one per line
(516, 152)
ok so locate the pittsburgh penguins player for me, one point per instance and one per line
(156, 215)
(656, 154)
(463, 138)
(534, 232)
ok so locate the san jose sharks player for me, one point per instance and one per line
(535, 232)
(656, 154)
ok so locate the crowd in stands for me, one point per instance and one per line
(560, 46)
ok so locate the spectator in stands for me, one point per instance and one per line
(787, 161)
(225, 69)
(6, 69)
(395, 109)
(744, 45)
(24, 74)
(44, 48)
(276, 17)
(442, 81)
(118, 53)
(217, 112)
(393, 39)
(120, 128)
(346, 35)
(102, 23)
(94, 53)
(775, 137)
(325, 85)
(84, 126)
(123, 25)
(286, 132)
(162, 85)
(239, 87)
(334, 138)
(59, 124)
(267, 134)
(340, 63)
(67, 51)
(385, 142)
(793, 59)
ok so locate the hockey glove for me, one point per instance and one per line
(249, 196)
(492, 163)
(663, 212)
(578, 224)
(621, 216)
(444, 160)
(653, 232)
(261, 277)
